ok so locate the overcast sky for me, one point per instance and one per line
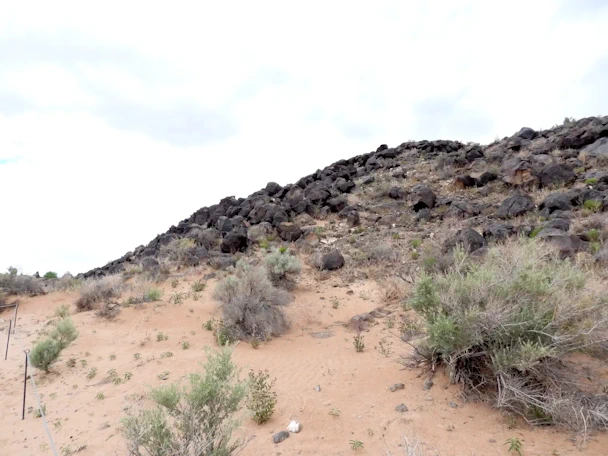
(119, 120)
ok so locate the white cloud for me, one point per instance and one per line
(127, 117)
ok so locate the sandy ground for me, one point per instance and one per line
(357, 384)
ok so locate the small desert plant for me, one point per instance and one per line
(261, 399)
(161, 337)
(356, 444)
(415, 243)
(50, 275)
(502, 328)
(251, 305)
(515, 445)
(62, 311)
(177, 297)
(198, 419)
(40, 411)
(208, 325)
(385, 347)
(591, 181)
(166, 355)
(334, 412)
(100, 396)
(335, 303)
(92, 373)
(108, 310)
(358, 342)
(71, 362)
(255, 343)
(47, 351)
(383, 253)
(97, 290)
(136, 356)
(185, 345)
(282, 267)
(592, 205)
(174, 283)
(128, 376)
(594, 235)
(199, 286)
(221, 334)
(152, 294)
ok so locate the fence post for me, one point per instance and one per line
(8, 338)
(25, 382)
(15, 317)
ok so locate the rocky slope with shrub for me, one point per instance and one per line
(571, 159)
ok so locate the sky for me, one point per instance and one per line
(119, 119)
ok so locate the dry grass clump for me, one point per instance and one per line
(97, 290)
(503, 327)
(20, 284)
(383, 253)
(108, 310)
(393, 289)
(178, 250)
(251, 304)
(66, 282)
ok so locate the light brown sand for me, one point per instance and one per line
(355, 383)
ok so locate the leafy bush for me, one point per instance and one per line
(503, 327)
(62, 311)
(47, 351)
(194, 420)
(251, 305)
(50, 275)
(261, 399)
(282, 266)
(44, 354)
(97, 290)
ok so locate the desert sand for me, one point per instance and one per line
(317, 351)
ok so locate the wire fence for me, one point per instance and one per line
(18, 337)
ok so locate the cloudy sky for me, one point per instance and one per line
(120, 119)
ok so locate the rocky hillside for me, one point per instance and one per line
(554, 174)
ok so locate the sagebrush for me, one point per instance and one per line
(282, 268)
(194, 420)
(97, 290)
(47, 351)
(251, 304)
(504, 326)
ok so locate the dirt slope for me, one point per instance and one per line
(318, 350)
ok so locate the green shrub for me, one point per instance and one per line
(47, 351)
(64, 333)
(50, 275)
(199, 286)
(261, 399)
(282, 267)
(592, 205)
(62, 311)
(152, 294)
(198, 419)
(502, 328)
(251, 305)
(591, 181)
